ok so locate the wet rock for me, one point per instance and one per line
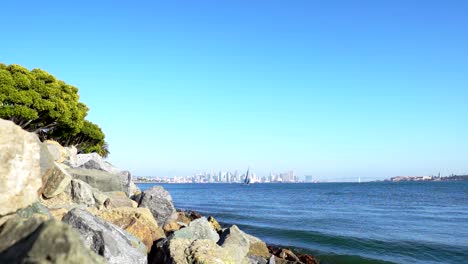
(234, 241)
(109, 241)
(215, 224)
(288, 255)
(308, 259)
(159, 201)
(34, 241)
(197, 229)
(136, 221)
(20, 172)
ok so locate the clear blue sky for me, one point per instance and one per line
(333, 89)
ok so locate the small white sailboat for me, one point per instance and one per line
(359, 179)
(248, 177)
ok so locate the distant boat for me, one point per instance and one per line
(248, 178)
(359, 179)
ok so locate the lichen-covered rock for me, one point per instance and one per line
(184, 251)
(137, 221)
(234, 241)
(159, 201)
(197, 229)
(34, 209)
(57, 182)
(208, 252)
(114, 244)
(56, 150)
(34, 241)
(20, 173)
(64, 199)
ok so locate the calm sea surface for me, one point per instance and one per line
(412, 222)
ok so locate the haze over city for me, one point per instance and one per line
(336, 91)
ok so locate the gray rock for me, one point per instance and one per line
(234, 240)
(91, 161)
(34, 241)
(159, 201)
(20, 172)
(103, 181)
(119, 199)
(197, 229)
(109, 241)
(257, 260)
(56, 150)
(82, 193)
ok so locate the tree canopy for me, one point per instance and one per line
(38, 102)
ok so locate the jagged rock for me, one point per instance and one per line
(56, 150)
(62, 200)
(91, 161)
(171, 227)
(184, 251)
(257, 260)
(35, 209)
(82, 193)
(257, 246)
(278, 260)
(133, 189)
(58, 213)
(197, 229)
(119, 199)
(20, 173)
(308, 259)
(34, 241)
(208, 252)
(181, 217)
(71, 154)
(104, 181)
(108, 240)
(137, 221)
(234, 240)
(214, 223)
(159, 201)
(57, 182)
(101, 199)
(288, 255)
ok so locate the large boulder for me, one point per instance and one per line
(20, 173)
(256, 246)
(56, 150)
(91, 161)
(197, 229)
(57, 182)
(108, 240)
(184, 251)
(34, 241)
(104, 181)
(234, 241)
(136, 221)
(159, 201)
(119, 199)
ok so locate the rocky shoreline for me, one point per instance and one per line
(57, 206)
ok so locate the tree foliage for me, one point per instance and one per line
(38, 102)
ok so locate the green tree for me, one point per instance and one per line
(38, 102)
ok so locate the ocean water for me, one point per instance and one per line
(406, 222)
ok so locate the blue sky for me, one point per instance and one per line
(333, 89)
